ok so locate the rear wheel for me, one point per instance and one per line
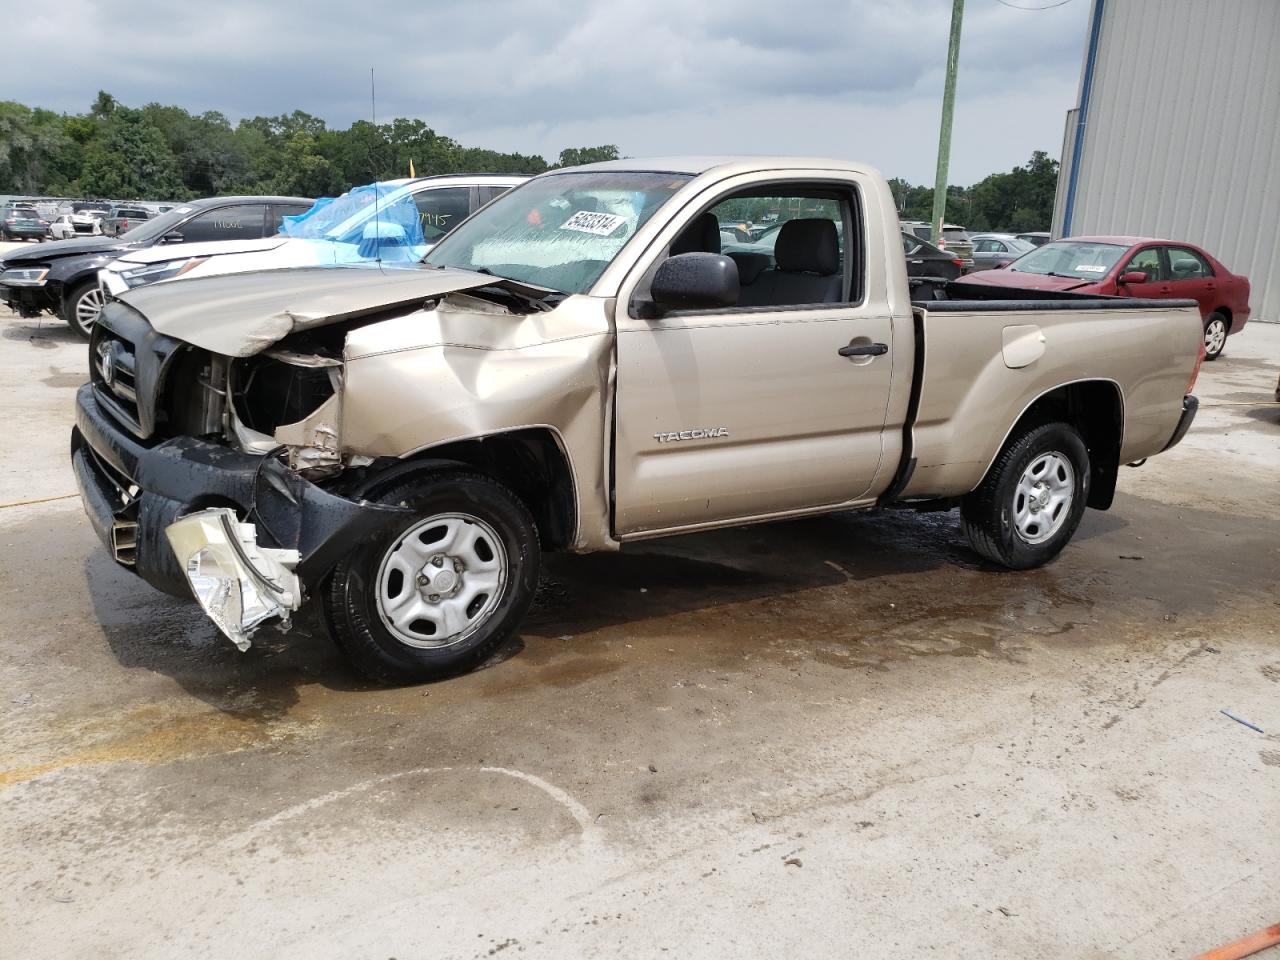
(1215, 335)
(81, 307)
(1032, 499)
(442, 591)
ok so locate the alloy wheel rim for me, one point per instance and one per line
(441, 580)
(1215, 336)
(88, 307)
(1042, 499)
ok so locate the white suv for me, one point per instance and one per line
(395, 221)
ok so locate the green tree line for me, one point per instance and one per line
(166, 153)
(161, 152)
(1019, 200)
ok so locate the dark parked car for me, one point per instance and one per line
(18, 222)
(928, 267)
(122, 219)
(1135, 267)
(62, 277)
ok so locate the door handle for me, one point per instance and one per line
(864, 350)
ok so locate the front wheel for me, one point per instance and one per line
(1215, 335)
(1032, 499)
(439, 593)
(81, 307)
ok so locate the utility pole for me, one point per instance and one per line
(944, 135)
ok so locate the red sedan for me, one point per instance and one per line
(1134, 267)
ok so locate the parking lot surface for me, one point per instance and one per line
(835, 737)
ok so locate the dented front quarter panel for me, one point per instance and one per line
(470, 368)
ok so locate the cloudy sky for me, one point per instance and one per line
(860, 79)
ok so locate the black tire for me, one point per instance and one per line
(71, 308)
(988, 514)
(350, 600)
(1215, 335)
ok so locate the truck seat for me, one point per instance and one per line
(807, 258)
(700, 236)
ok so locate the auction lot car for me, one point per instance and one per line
(402, 225)
(120, 219)
(578, 367)
(21, 223)
(61, 228)
(1136, 267)
(62, 277)
(991, 250)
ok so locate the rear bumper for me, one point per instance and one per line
(133, 491)
(1190, 405)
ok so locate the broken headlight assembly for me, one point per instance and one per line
(291, 399)
(238, 583)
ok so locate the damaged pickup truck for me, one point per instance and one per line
(578, 366)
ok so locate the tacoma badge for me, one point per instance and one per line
(701, 433)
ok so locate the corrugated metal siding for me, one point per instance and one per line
(1183, 132)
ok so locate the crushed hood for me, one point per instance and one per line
(241, 314)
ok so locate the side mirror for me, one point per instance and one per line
(1134, 276)
(695, 281)
(173, 236)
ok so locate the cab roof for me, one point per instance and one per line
(726, 165)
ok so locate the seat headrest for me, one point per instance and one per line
(750, 266)
(808, 245)
(1186, 265)
(701, 236)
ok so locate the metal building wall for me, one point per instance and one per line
(1182, 133)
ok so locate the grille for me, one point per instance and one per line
(114, 375)
(128, 364)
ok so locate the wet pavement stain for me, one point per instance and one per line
(65, 379)
(151, 734)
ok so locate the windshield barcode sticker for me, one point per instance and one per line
(1091, 267)
(601, 224)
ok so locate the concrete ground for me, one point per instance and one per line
(837, 737)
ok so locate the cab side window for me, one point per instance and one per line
(441, 210)
(1186, 264)
(242, 222)
(789, 243)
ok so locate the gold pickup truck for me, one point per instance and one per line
(586, 362)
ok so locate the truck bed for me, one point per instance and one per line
(982, 359)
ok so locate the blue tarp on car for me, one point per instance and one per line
(375, 221)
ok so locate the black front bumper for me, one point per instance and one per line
(133, 489)
(30, 301)
(1190, 405)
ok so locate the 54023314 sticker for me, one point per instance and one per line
(588, 221)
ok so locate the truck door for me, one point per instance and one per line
(753, 410)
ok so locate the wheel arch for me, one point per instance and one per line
(1095, 407)
(533, 461)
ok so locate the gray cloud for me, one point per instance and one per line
(857, 78)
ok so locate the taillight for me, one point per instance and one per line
(957, 261)
(124, 224)
(1195, 371)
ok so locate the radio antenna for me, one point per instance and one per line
(373, 172)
